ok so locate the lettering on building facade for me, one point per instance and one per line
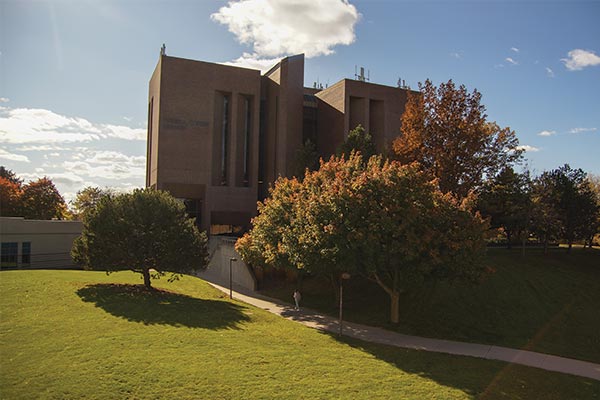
(182, 124)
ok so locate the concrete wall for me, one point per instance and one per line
(185, 130)
(347, 103)
(330, 119)
(51, 241)
(185, 144)
(283, 93)
(222, 250)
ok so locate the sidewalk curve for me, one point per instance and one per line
(327, 323)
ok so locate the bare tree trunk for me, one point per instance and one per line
(395, 307)
(146, 273)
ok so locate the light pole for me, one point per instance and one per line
(231, 260)
(346, 276)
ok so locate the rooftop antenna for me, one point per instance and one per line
(163, 50)
(362, 77)
(402, 84)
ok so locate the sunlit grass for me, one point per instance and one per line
(75, 334)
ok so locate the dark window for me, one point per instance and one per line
(193, 207)
(149, 151)
(309, 125)
(247, 127)
(26, 253)
(9, 252)
(224, 144)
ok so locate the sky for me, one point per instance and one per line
(74, 73)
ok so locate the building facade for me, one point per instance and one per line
(219, 135)
(29, 243)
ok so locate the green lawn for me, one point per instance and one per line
(75, 334)
(546, 303)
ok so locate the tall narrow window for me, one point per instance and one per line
(247, 144)
(9, 253)
(149, 150)
(26, 253)
(224, 144)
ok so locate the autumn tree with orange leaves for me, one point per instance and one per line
(383, 220)
(445, 129)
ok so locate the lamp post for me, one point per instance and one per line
(231, 260)
(344, 276)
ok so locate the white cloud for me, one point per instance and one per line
(276, 28)
(248, 60)
(44, 147)
(549, 72)
(547, 133)
(456, 55)
(116, 171)
(4, 99)
(511, 61)
(44, 127)
(528, 148)
(5, 155)
(516, 50)
(107, 165)
(582, 130)
(101, 157)
(579, 59)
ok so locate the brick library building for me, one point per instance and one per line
(219, 135)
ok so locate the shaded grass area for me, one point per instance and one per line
(545, 303)
(75, 334)
(133, 303)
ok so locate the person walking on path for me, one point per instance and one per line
(297, 297)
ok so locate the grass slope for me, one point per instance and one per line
(75, 334)
(542, 303)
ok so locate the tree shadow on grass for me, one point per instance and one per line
(136, 303)
(485, 379)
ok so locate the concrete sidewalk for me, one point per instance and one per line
(315, 320)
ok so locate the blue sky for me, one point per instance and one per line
(74, 74)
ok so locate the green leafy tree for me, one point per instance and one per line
(506, 199)
(546, 222)
(307, 157)
(359, 141)
(569, 194)
(41, 200)
(445, 129)
(87, 199)
(141, 231)
(594, 182)
(383, 220)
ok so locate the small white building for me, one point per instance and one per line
(30, 243)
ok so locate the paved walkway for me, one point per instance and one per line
(315, 320)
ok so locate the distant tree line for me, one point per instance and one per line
(40, 199)
(558, 205)
(37, 199)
